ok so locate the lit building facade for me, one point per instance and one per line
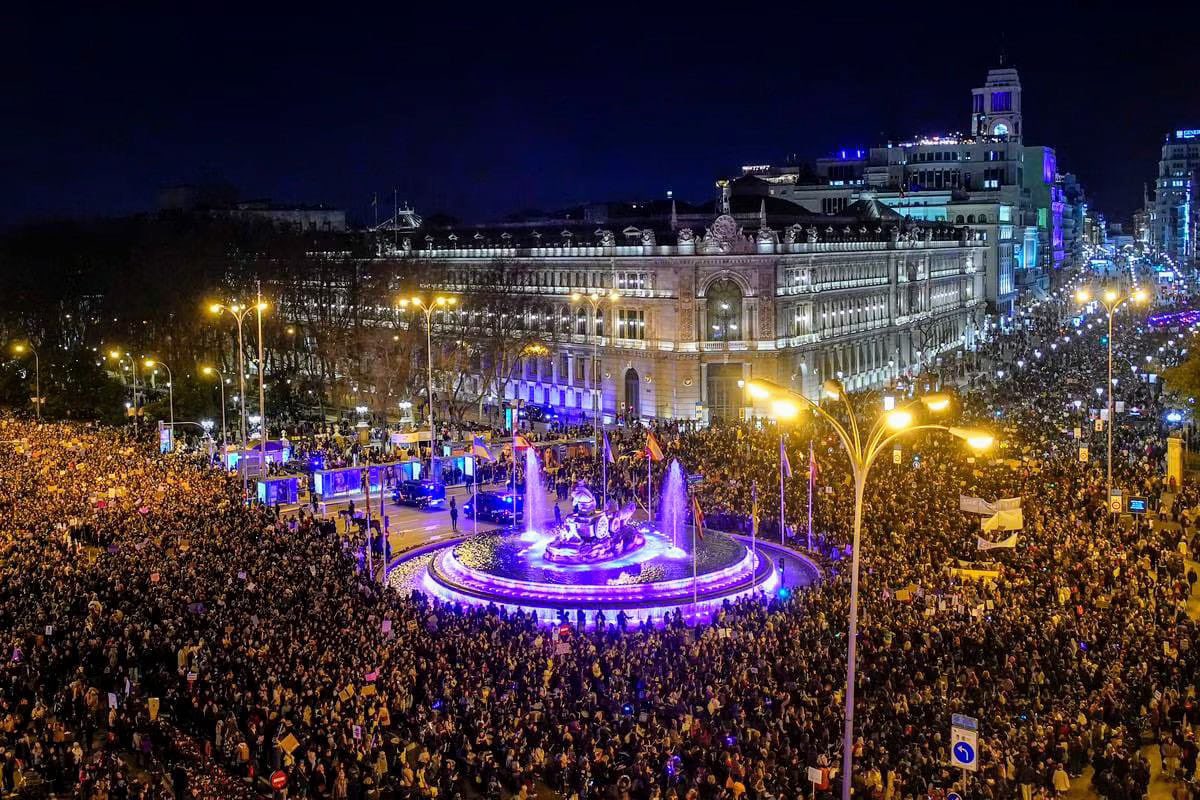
(1174, 221)
(865, 300)
(1009, 194)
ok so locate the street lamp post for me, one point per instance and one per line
(428, 309)
(1111, 300)
(239, 313)
(221, 384)
(117, 356)
(150, 362)
(21, 349)
(596, 301)
(862, 451)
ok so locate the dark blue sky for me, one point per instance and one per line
(480, 112)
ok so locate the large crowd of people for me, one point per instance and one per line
(161, 639)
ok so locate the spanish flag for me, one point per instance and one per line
(653, 447)
(697, 517)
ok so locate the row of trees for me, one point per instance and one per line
(333, 335)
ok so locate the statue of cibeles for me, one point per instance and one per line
(647, 237)
(686, 236)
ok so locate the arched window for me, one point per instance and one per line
(959, 219)
(723, 302)
(970, 218)
(982, 218)
(633, 393)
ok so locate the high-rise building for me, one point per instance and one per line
(1174, 218)
(1010, 195)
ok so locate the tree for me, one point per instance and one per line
(1183, 380)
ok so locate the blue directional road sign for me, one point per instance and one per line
(964, 742)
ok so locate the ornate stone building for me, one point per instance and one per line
(861, 296)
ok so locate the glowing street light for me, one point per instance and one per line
(417, 303)
(150, 364)
(863, 446)
(220, 384)
(20, 350)
(596, 301)
(1112, 300)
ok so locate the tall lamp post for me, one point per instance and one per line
(1111, 299)
(20, 350)
(438, 302)
(150, 364)
(239, 313)
(221, 384)
(117, 356)
(863, 446)
(596, 301)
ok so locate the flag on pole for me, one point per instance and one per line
(480, 449)
(784, 463)
(520, 442)
(653, 447)
(697, 517)
(754, 511)
(812, 463)
(608, 454)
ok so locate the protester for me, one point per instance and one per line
(162, 639)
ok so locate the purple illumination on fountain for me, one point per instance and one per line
(600, 560)
(537, 502)
(672, 507)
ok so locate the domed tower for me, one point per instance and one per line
(996, 106)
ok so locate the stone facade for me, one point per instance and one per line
(864, 302)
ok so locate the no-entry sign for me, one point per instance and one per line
(278, 780)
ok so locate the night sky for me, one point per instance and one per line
(479, 113)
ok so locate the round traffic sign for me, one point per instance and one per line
(954, 796)
(278, 779)
(964, 753)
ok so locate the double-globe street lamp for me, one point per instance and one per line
(239, 313)
(117, 356)
(863, 445)
(596, 301)
(20, 350)
(439, 302)
(150, 364)
(1111, 299)
(221, 379)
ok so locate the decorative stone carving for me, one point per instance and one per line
(767, 236)
(928, 235)
(647, 238)
(811, 234)
(792, 233)
(893, 234)
(686, 321)
(686, 235)
(406, 244)
(607, 239)
(766, 306)
(724, 228)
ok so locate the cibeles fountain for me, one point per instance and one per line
(591, 535)
(601, 558)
